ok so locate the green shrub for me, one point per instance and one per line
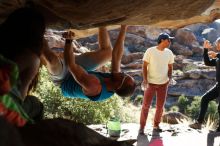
(189, 66)
(212, 110)
(182, 103)
(174, 108)
(79, 110)
(194, 108)
(138, 99)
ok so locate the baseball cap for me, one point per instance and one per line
(164, 36)
(217, 40)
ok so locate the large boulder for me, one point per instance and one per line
(185, 37)
(84, 14)
(181, 49)
(131, 57)
(197, 29)
(210, 34)
(137, 30)
(152, 32)
(198, 73)
(190, 87)
(134, 42)
(63, 132)
(197, 50)
(216, 25)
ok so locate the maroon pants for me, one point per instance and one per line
(150, 91)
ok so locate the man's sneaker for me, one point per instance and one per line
(196, 125)
(157, 129)
(141, 131)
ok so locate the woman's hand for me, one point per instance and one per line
(207, 45)
(212, 54)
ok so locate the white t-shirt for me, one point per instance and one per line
(57, 79)
(157, 71)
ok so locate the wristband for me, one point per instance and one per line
(68, 41)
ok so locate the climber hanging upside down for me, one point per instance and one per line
(76, 76)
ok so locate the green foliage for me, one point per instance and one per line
(174, 108)
(182, 103)
(79, 110)
(138, 99)
(189, 66)
(212, 111)
(194, 108)
(177, 73)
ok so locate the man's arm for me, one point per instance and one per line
(170, 70)
(50, 59)
(118, 50)
(144, 71)
(90, 84)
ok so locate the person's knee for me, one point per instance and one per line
(159, 107)
(145, 107)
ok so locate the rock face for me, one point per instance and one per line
(84, 14)
(192, 76)
(63, 132)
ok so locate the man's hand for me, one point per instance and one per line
(172, 82)
(144, 85)
(212, 54)
(69, 35)
(207, 44)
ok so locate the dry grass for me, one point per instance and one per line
(211, 123)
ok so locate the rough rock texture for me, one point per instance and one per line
(172, 135)
(84, 14)
(192, 77)
(63, 132)
(173, 117)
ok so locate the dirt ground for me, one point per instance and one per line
(172, 135)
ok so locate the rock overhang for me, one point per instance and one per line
(87, 14)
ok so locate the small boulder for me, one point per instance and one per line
(173, 117)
